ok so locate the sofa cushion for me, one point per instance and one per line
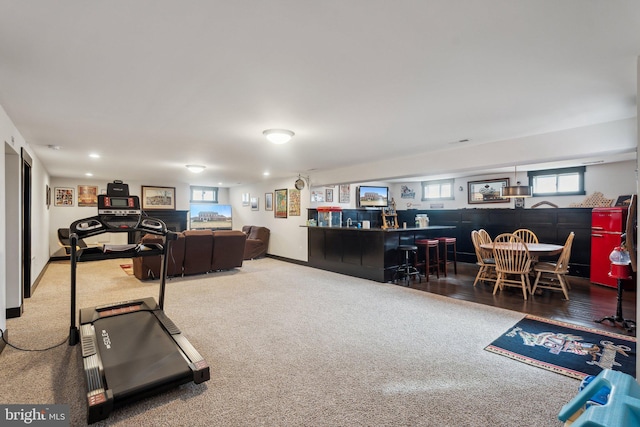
(198, 250)
(228, 249)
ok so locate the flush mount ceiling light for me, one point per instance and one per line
(278, 136)
(516, 190)
(195, 168)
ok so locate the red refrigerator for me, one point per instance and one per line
(607, 226)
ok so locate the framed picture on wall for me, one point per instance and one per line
(329, 195)
(317, 196)
(158, 197)
(281, 203)
(47, 195)
(294, 202)
(268, 201)
(254, 204)
(345, 193)
(63, 197)
(87, 195)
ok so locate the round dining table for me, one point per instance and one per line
(535, 249)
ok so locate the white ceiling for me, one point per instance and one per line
(154, 85)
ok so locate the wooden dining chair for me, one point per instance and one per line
(513, 263)
(486, 262)
(552, 275)
(485, 237)
(527, 235)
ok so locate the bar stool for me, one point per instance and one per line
(407, 270)
(449, 242)
(429, 262)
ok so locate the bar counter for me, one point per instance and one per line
(369, 253)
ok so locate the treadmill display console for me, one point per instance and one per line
(118, 205)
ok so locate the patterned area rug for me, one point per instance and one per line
(127, 268)
(567, 349)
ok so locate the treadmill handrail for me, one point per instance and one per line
(96, 225)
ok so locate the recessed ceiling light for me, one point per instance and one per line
(88, 174)
(266, 173)
(94, 155)
(278, 136)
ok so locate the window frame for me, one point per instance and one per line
(580, 170)
(203, 188)
(440, 182)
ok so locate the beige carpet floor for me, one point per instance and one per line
(290, 345)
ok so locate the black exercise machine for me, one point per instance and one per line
(130, 349)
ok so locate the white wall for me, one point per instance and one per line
(10, 212)
(288, 235)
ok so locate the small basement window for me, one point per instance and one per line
(558, 182)
(437, 190)
(204, 194)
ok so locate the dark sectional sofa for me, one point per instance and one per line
(194, 252)
(257, 241)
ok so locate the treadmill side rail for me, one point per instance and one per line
(197, 363)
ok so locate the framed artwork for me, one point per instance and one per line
(268, 201)
(317, 196)
(246, 199)
(281, 203)
(329, 195)
(519, 203)
(254, 204)
(158, 197)
(87, 195)
(47, 195)
(63, 196)
(487, 191)
(294, 202)
(345, 193)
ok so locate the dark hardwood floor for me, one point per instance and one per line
(587, 301)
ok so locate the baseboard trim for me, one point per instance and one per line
(14, 312)
(291, 260)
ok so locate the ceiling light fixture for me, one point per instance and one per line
(195, 168)
(278, 136)
(516, 190)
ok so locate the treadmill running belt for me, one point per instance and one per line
(137, 354)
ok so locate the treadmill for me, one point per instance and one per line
(130, 349)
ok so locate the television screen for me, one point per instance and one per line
(373, 197)
(203, 216)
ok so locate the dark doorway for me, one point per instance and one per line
(27, 163)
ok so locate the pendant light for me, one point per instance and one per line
(515, 190)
